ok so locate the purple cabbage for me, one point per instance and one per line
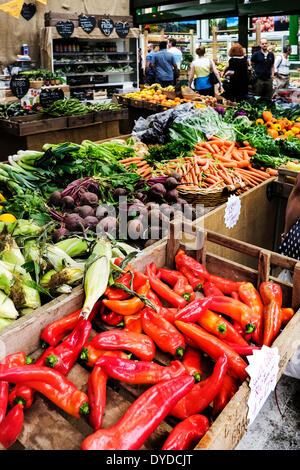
(242, 112)
(220, 110)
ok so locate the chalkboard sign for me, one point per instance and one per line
(87, 23)
(65, 28)
(28, 11)
(122, 29)
(48, 96)
(106, 26)
(19, 85)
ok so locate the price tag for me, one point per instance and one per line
(65, 28)
(19, 85)
(232, 211)
(87, 23)
(263, 371)
(106, 26)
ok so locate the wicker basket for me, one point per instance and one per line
(206, 197)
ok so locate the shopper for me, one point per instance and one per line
(200, 71)
(237, 74)
(282, 69)
(164, 66)
(263, 63)
(149, 74)
(141, 68)
(290, 239)
(174, 50)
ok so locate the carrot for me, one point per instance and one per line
(193, 175)
(272, 171)
(230, 164)
(243, 164)
(229, 150)
(131, 159)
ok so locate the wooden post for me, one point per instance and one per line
(192, 42)
(258, 33)
(296, 287)
(172, 246)
(145, 46)
(214, 43)
(263, 270)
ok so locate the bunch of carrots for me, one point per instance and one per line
(139, 165)
(218, 163)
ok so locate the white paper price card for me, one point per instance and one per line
(232, 211)
(263, 371)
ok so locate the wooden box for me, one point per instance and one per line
(46, 427)
(113, 115)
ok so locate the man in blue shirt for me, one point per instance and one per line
(263, 64)
(164, 66)
(148, 69)
(174, 50)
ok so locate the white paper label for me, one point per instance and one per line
(232, 211)
(263, 371)
(294, 49)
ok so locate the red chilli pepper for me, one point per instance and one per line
(138, 279)
(139, 372)
(64, 356)
(250, 296)
(11, 426)
(129, 306)
(210, 289)
(187, 433)
(243, 350)
(134, 428)
(193, 311)
(192, 362)
(215, 348)
(235, 309)
(139, 344)
(52, 384)
(238, 327)
(55, 332)
(184, 261)
(97, 397)
(163, 333)
(89, 354)
(133, 323)
(178, 281)
(202, 393)
(223, 329)
(227, 286)
(195, 282)
(228, 389)
(286, 315)
(164, 291)
(154, 298)
(271, 295)
(13, 360)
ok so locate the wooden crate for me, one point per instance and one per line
(80, 119)
(33, 124)
(46, 427)
(117, 114)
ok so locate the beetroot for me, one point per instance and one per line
(73, 222)
(60, 233)
(90, 222)
(89, 199)
(67, 203)
(85, 211)
(55, 198)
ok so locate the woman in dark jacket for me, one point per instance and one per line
(236, 74)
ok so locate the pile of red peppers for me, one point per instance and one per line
(196, 317)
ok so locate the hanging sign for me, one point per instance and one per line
(87, 23)
(106, 26)
(12, 8)
(28, 11)
(232, 211)
(19, 85)
(263, 371)
(48, 96)
(122, 29)
(65, 28)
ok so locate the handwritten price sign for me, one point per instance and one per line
(263, 370)
(232, 211)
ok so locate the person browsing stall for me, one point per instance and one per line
(149, 74)
(263, 63)
(164, 66)
(174, 50)
(282, 69)
(200, 72)
(237, 73)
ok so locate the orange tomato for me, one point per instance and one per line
(267, 116)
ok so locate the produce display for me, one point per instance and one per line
(207, 326)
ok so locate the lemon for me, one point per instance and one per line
(7, 218)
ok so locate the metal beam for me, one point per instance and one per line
(153, 3)
(216, 9)
(269, 7)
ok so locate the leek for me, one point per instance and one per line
(7, 307)
(96, 274)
